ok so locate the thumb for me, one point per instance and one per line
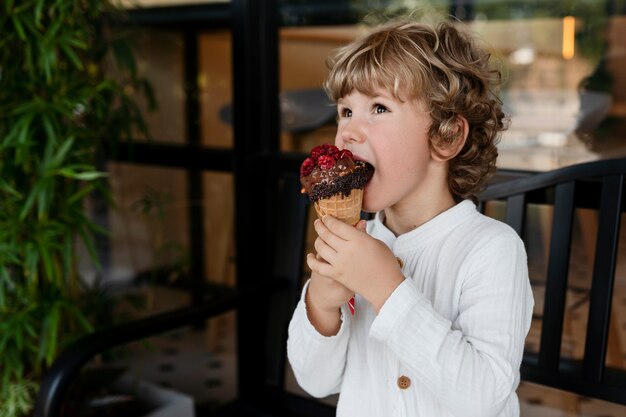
(360, 225)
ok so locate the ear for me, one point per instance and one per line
(443, 151)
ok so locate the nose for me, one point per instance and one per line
(349, 133)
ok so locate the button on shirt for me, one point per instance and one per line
(447, 342)
(404, 382)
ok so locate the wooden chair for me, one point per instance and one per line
(599, 186)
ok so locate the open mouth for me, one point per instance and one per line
(370, 169)
(367, 170)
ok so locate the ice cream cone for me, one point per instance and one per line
(347, 209)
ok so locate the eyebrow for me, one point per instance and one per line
(382, 94)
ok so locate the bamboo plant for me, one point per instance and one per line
(58, 107)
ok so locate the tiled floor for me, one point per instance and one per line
(185, 359)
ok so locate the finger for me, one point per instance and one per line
(361, 225)
(325, 251)
(318, 266)
(338, 228)
(313, 261)
(327, 235)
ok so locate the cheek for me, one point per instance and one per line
(398, 173)
(378, 190)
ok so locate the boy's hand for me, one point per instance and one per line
(356, 260)
(324, 297)
(326, 293)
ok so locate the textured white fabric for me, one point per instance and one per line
(456, 327)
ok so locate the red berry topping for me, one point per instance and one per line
(330, 149)
(325, 162)
(346, 154)
(307, 167)
(318, 151)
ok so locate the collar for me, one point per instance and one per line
(423, 235)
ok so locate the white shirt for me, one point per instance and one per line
(455, 327)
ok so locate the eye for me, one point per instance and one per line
(379, 108)
(345, 112)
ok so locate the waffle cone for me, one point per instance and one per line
(347, 209)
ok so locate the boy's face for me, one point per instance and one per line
(392, 135)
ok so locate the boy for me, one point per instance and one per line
(443, 297)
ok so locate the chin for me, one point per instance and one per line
(368, 207)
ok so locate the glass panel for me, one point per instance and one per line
(308, 117)
(561, 61)
(160, 59)
(149, 234)
(563, 89)
(149, 224)
(215, 85)
(219, 228)
(219, 257)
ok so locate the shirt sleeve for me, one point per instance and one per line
(470, 364)
(318, 361)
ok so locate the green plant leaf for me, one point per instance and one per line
(6, 187)
(81, 194)
(48, 127)
(48, 263)
(38, 12)
(124, 55)
(31, 260)
(8, 6)
(87, 240)
(18, 27)
(50, 331)
(80, 318)
(47, 60)
(71, 55)
(58, 103)
(61, 153)
(30, 201)
(20, 131)
(68, 254)
(90, 175)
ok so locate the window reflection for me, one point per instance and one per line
(160, 60)
(563, 88)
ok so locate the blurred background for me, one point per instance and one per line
(564, 90)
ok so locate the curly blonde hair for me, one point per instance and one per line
(444, 68)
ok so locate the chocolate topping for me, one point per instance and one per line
(343, 177)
